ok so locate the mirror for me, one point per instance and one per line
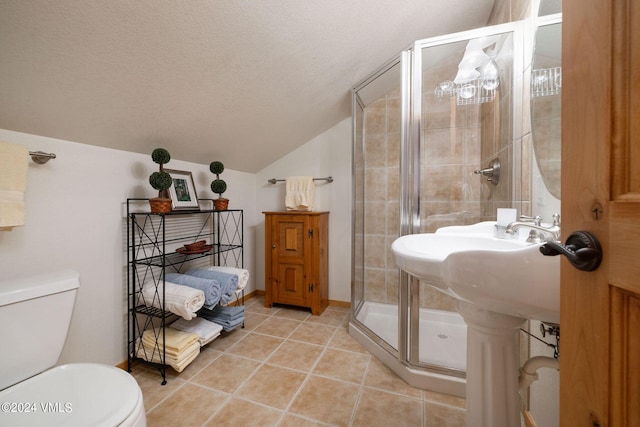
(546, 89)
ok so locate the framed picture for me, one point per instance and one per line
(183, 191)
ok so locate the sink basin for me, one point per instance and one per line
(508, 276)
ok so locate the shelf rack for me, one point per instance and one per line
(151, 242)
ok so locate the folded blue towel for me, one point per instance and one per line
(226, 323)
(211, 288)
(229, 310)
(222, 313)
(228, 282)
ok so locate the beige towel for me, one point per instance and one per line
(175, 341)
(13, 183)
(300, 192)
(152, 353)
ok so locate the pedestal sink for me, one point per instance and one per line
(498, 284)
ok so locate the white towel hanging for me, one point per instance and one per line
(300, 191)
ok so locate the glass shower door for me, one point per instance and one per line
(423, 123)
(377, 125)
(462, 117)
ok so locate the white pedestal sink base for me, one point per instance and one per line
(493, 398)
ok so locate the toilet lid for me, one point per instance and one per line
(78, 394)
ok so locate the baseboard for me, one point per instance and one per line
(343, 304)
(246, 297)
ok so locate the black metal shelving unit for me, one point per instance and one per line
(152, 239)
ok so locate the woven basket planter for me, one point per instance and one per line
(159, 205)
(220, 204)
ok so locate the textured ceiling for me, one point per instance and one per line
(244, 82)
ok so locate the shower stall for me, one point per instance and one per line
(423, 124)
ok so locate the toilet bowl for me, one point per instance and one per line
(35, 313)
(77, 394)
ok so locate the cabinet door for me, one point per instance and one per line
(289, 263)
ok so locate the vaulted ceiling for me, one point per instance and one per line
(241, 81)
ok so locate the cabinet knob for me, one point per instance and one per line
(273, 245)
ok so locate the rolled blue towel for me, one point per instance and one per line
(228, 282)
(211, 288)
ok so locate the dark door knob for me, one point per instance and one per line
(582, 249)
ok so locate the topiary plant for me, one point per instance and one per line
(161, 180)
(218, 185)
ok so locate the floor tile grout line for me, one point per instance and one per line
(309, 373)
(360, 391)
(147, 411)
(327, 346)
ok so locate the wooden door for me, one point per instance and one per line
(600, 311)
(289, 264)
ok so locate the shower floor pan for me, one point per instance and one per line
(443, 334)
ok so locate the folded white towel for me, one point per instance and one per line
(14, 160)
(300, 191)
(206, 331)
(243, 275)
(181, 300)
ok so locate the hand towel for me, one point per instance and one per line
(13, 183)
(206, 331)
(211, 288)
(228, 282)
(300, 191)
(181, 300)
(243, 275)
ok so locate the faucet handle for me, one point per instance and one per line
(556, 219)
(536, 220)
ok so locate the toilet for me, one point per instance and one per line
(35, 314)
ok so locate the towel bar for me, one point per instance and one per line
(273, 180)
(41, 157)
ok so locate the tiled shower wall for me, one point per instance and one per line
(512, 145)
(381, 196)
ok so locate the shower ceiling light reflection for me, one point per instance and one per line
(478, 74)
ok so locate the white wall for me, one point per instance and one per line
(75, 219)
(328, 154)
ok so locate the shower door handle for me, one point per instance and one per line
(582, 249)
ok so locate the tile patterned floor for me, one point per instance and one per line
(289, 368)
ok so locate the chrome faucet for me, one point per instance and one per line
(538, 233)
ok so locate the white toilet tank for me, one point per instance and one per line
(35, 314)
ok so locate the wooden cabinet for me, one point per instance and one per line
(296, 259)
